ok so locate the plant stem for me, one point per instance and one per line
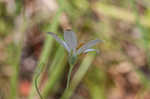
(78, 76)
(36, 86)
(69, 76)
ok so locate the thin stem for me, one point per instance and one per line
(69, 76)
(36, 86)
(36, 82)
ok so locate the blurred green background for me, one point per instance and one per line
(120, 71)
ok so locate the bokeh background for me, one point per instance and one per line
(120, 71)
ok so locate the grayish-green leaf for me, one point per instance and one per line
(71, 40)
(63, 43)
(87, 46)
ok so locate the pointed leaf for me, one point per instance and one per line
(63, 43)
(87, 46)
(71, 40)
(91, 50)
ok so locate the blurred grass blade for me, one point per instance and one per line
(56, 69)
(15, 55)
(15, 51)
(78, 76)
(46, 50)
(119, 13)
